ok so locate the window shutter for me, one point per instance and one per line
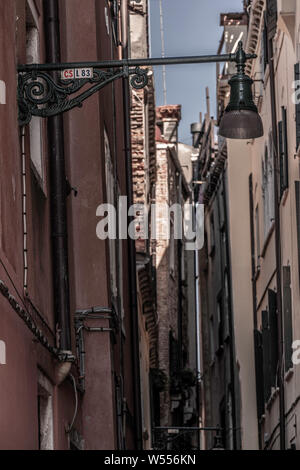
(281, 155)
(259, 368)
(266, 355)
(297, 194)
(265, 52)
(285, 150)
(271, 18)
(287, 309)
(114, 10)
(273, 324)
(297, 78)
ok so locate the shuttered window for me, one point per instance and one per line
(265, 53)
(266, 355)
(114, 11)
(273, 324)
(297, 194)
(283, 152)
(297, 78)
(259, 368)
(271, 18)
(270, 345)
(287, 311)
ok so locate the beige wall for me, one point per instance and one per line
(239, 167)
(243, 160)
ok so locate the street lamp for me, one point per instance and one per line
(241, 119)
(46, 90)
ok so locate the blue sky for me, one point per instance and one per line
(191, 28)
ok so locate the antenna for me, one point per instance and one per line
(162, 34)
(149, 28)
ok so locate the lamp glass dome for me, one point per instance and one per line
(241, 119)
(241, 124)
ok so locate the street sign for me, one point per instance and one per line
(71, 74)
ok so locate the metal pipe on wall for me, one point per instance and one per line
(131, 243)
(58, 189)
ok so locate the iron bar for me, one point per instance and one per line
(186, 428)
(43, 94)
(108, 64)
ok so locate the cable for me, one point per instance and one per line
(76, 405)
(14, 286)
(24, 209)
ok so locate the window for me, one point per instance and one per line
(270, 345)
(297, 79)
(264, 46)
(297, 195)
(287, 316)
(33, 56)
(257, 245)
(259, 370)
(268, 186)
(283, 152)
(273, 325)
(45, 413)
(172, 249)
(271, 17)
(110, 189)
(266, 355)
(114, 15)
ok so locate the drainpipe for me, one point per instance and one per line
(198, 332)
(195, 131)
(277, 248)
(131, 243)
(58, 190)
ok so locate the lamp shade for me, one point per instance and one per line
(241, 124)
(241, 119)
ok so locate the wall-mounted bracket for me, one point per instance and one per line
(44, 92)
(44, 95)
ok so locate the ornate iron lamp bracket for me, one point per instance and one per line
(44, 95)
(42, 91)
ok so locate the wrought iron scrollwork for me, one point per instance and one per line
(44, 95)
(140, 78)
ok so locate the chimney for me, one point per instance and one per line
(168, 118)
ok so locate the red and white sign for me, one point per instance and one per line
(73, 74)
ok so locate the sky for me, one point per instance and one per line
(191, 27)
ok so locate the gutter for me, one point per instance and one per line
(131, 243)
(58, 189)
